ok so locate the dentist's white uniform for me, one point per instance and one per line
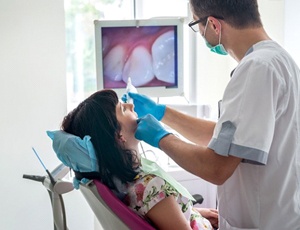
(260, 123)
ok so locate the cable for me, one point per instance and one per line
(143, 151)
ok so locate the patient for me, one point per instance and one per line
(111, 125)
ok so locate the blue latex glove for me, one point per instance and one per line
(150, 130)
(144, 105)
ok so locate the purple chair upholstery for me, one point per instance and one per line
(110, 211)
(131, 219)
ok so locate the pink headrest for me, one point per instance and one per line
(131, 219)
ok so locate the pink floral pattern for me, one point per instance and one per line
(147, 190)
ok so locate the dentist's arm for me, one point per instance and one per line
(197, 159)
(198, 131)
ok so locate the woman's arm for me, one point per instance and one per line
(167, 215)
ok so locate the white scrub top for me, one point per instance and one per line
(260, 123)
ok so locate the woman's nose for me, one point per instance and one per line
(131, 106)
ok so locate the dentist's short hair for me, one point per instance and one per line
(238, 13)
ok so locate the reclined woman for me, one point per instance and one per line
(111, 126)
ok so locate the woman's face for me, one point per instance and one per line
(128, 121)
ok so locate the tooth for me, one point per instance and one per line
(113, 63)
(139, 67)
(105, 44)
(163, 57)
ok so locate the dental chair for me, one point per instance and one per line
(111, 213)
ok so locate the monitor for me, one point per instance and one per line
(150, 52)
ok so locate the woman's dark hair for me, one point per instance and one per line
(96, 117)
(238, 13)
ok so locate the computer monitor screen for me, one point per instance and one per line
(148, 51)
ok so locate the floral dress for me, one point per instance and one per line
(147, 190)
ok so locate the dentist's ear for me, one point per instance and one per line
(215, 24)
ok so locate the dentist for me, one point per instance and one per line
(253, 152)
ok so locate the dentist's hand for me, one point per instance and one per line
(150, 130)
(144, 105)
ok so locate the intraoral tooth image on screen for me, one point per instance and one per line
(148, 51)
(147, 54)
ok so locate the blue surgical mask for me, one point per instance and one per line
(219, 49)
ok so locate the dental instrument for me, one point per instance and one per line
(55, 187)
(130, 88)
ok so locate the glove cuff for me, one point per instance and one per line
(160, 111)
(159, 137)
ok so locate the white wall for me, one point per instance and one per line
(33, 100)
(291, 29)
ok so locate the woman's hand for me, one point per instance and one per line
(210, 214)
